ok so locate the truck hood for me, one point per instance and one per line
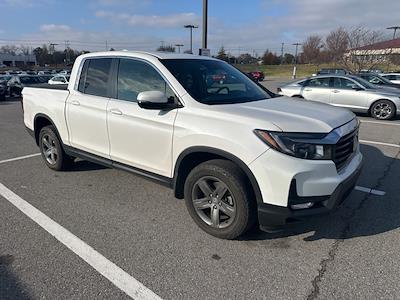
(289, 115)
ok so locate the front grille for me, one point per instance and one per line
(344, 149)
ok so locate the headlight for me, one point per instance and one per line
(300, 145)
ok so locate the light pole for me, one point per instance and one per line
(295, 60)
(191, 26)
(179, 47)
(395, 29)
(205, 13)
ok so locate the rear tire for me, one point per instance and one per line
(383, 110)
(219, 199)
(52, 152)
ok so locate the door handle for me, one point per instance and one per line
(75, 102)
(307, 90)
(115, 111)
(335, 91)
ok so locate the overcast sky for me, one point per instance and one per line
(240, 26)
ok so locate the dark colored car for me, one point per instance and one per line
(378, 80)
(256, 75)
(333, 71)
(18, 82)
(4, 86)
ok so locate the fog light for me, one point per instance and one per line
(302, 205)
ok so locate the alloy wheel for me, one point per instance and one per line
(49, 149)
(382, 110)
(213, 202)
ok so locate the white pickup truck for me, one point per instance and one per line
(239, 154)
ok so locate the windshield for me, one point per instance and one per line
(214, 82)
(363, 82)
(383, 79)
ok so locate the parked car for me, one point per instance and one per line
(376, 71)
(18, 82)
(332, 71)
(45, 78)
(235, 152)
(4, 79)
(59, 79)
(3, 90)
(377, 80)
(349, 91)
(256, 75)
(392, 77)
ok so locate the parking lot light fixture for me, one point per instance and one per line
(295, 60)
(191, 26)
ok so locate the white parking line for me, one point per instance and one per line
(18, 158)
(379, 143)
(378, 122)
(369, 190)
(108, 269)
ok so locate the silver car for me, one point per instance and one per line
(347, 91)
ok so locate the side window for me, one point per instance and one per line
(95, 76)
(135, 76)
(319, 82)
(343, 83)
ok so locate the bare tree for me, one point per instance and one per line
(312, 49)
(336, 44)
(9, 49)
(167, 48)
(25, 50)
(360, 55)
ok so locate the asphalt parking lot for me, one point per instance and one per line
(140, 227)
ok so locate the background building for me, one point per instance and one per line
(17, 60)
(381, 51)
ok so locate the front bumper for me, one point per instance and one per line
(273, 217)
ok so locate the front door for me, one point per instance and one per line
(139, 137)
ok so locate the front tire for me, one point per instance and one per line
(383, 110)
(218, 198)
(52, 152)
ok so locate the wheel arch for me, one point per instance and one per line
(193, 156)
(41, 120)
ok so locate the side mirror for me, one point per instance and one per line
(153, 100)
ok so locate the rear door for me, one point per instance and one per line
(139, 137)
(86, 108)
(344, 94)
(317, 89)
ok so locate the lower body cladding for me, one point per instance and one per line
(294, 189)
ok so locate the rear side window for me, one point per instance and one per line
(95, 77)
(319, 82)
(135, 76)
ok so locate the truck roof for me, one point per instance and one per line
(157, 54)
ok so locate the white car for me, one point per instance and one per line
(239, 154)
(347, 91)
(393, 77)
(59, 79)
